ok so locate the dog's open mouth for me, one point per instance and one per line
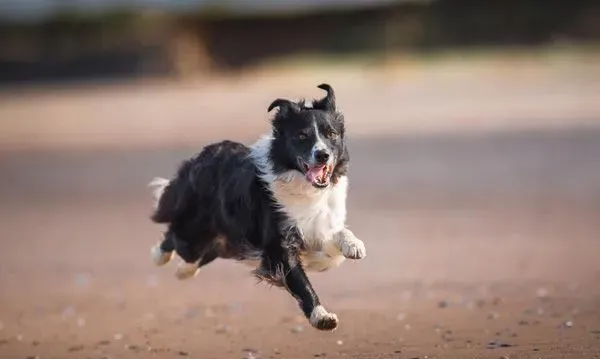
(318, 175)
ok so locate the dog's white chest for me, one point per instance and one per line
(319, 214)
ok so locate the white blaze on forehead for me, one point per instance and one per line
(319, 144)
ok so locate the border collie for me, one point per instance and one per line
(279, 205)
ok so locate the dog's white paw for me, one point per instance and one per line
(159, 257)
(321, 319)
(186, 270)
(353, 247)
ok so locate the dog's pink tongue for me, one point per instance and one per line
(314, 173)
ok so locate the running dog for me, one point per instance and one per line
(278, 205)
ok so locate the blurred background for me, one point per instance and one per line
(474, 129)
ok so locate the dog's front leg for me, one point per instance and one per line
(282, 267)
(297, 283)
(350, 246)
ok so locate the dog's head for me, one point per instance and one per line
(310, 139)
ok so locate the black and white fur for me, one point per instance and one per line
(279, 205)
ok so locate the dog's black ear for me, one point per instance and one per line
(327, 103)
(284, 106)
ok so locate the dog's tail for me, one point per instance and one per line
(165, 200)
(173, 197)
(158, 185)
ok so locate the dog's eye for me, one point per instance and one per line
(302, 136)
(332, 135)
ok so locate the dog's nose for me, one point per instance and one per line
(321, 156)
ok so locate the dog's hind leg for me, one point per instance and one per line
(194, 256)
(163, 252)
(208, 257)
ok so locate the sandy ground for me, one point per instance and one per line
(481, 244)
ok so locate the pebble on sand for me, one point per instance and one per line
(251, 354)
(493, 316)
(298, 329)
(76, 348)
(568, 324)
(222, 329)
(443, 304)
(542, 292)
(497, 344)
(132, 347)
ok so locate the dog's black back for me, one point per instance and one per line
(218, 205)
